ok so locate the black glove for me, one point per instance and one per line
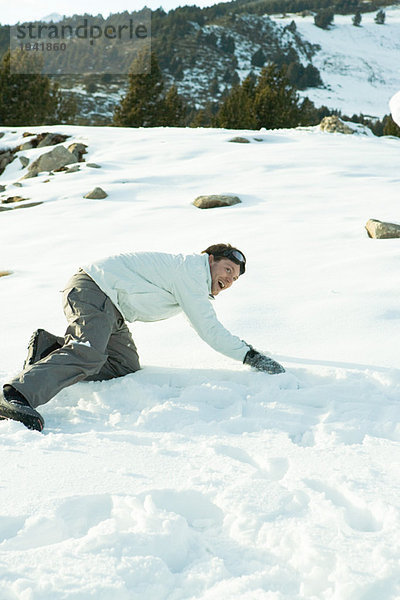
(262, 363)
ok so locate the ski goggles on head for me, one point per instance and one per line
(237, 257)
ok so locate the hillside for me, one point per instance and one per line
(359, 66)
(205, 51)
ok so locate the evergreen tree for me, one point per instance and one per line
(142, 106)
(174, 110)
(66, 107)
(269, 101)
(324, 18)
(29, 99)
(295, 73)
(231, 77)
(258, 59)
(357, 18)
(237, 110)
(291, 27)
(309, 115)
(276, 102)
(235, 78)
(214, 86)
(303, 77)
(380, 17)
(227, 43)
(249, 84)
(312, 76)
(145, 104)
(204, 117)
(390, 127)
(211, 39)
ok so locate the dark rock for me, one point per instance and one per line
(12, 199)
(25, 146)
(96, 194)
(50, 161)
(6, 157)
(239, 140)
(50, 139)
(24, 205)
(215, 201)
(72, 169)
(78, 150)
(24, 161)
(41, 140)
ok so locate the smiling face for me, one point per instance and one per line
(223, 273)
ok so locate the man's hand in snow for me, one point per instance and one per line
(262, 363)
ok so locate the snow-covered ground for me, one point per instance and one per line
(197, 478)
(359, 66)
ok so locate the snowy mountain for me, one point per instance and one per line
(197, 478)
(53, 17)
(359, 66)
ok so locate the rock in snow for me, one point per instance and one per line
(78, 150)
(239, 140)
(215, 201)
(6, 157)
(55, 159)
(96, 194)
(381, 230)
(335, 125)
(12, 199)
(24, 161)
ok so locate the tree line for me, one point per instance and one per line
(169, 29)
(268, 100)
(324, 17)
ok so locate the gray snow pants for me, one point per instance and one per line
(97, 345)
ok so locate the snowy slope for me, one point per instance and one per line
(359, 66)
(197, 478)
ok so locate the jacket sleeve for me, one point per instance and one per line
(192, 295)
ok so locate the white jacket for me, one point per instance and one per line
(151, 286)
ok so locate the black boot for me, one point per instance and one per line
(41, 344)
(13, 405)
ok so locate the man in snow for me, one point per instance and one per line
(101, 297)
